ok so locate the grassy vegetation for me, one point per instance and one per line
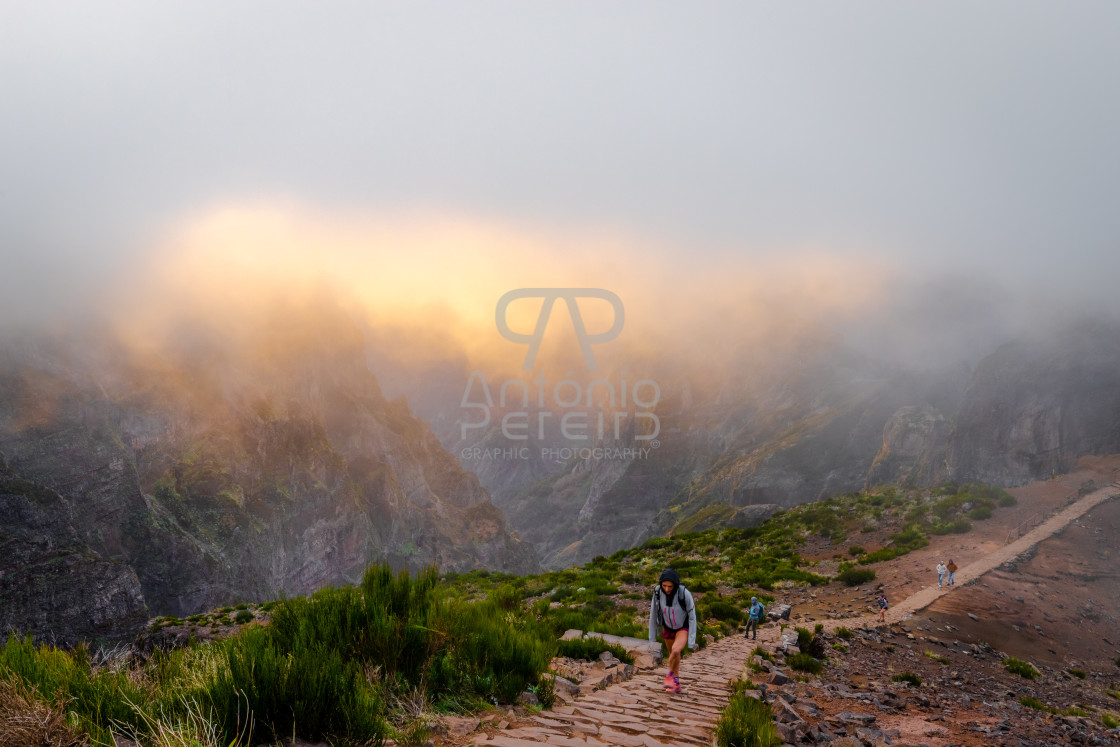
(1110, 720)
(326, 666)
(1037, 704)
(590, 648)
(746, 722)
(804, 663)
(850, 576)
(1020, 667)
(908, 677)
(938, 659)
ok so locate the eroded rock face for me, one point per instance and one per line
(214, 475)
(1035, 406)
(52, 584)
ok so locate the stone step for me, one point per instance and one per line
(638, 712)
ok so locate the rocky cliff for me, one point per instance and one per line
(213, 472)
(52, 582)
(1037, 404)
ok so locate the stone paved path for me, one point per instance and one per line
(638, 712)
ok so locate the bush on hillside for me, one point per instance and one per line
(1020, 667)
(855, 576)
(746, 722)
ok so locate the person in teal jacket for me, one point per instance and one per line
(672, 615)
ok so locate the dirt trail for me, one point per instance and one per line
(638, 713)
(899, 611)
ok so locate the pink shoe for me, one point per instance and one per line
(675, 687)
(669, 681)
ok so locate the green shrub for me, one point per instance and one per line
(746, 722)
(909, 539)
(938, 659)
(1007, 500)
(909, 677)
(856, 576)
(313, 687)
(1035, 703)
(720, 609)
(589, 648)
(1020, 667)
(959, 526)
(980, 512)
(804, 663)
(741, 685)
(242, 617)
(844, 633)
(811, 643)
(546, 691)
(1109, 720)
(856, 550)
(1078, 673)
(840, 647)
(763, 653)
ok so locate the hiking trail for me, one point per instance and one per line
(639, 713)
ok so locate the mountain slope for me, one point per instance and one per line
(220, 471)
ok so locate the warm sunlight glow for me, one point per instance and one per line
(435, 280)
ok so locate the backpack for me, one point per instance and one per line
(761, 611)
(657, 605)
(882, 603)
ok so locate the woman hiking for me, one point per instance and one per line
(672, 612)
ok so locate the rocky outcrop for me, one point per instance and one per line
(52, 584)
(914, 440)
(1037, 405)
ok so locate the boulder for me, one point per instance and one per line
(779, 612)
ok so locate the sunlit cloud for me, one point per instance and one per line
(435, 280)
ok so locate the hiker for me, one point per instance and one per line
(754, 616)
(940, 572)
(952, 568)
(882, 600)
(673, 612)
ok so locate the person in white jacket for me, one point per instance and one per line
(672, 612)
(940, 573)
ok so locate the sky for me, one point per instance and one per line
(446, 152)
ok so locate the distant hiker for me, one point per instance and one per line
(952, 568)
(940, 573)
(882, 600)
(754, 616)
(673, 612)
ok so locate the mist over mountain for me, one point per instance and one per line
(210, 470)
(951, 380)
(240, 445)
